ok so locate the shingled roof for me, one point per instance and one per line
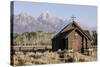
(68, 28)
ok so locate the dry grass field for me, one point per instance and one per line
(28, 58)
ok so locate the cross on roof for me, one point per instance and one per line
(73, 18)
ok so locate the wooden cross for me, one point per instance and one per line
(73, 18)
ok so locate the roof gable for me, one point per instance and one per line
(71, 26)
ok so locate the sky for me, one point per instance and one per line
(86, 15)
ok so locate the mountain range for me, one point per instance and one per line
(24, 22)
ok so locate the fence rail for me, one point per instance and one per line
(29, 48)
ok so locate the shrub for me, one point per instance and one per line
(69, 58)
(81, 60)
(23, 59)
(48, 58)
(15, 60)
(30, 54)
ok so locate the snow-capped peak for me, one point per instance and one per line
(44, 16)
(24, 14)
